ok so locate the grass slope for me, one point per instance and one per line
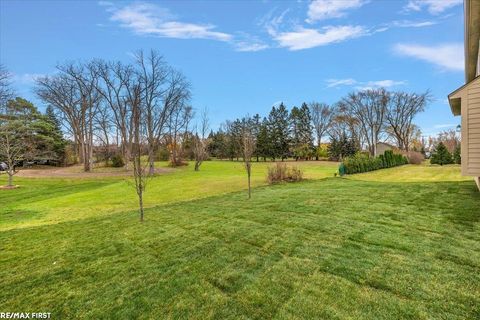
(47, 201)
(332, 249)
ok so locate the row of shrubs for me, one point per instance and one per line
(362, 162)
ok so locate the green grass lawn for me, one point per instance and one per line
(48, 201)
(401, 243)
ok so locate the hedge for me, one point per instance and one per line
(361, 162)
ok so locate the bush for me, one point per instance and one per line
(117, 161)
(362, 162)
(322, 152)
(390, 159)
(162, 154)
(415, 157)
(280, 172)
(303, 151)
(179, 163)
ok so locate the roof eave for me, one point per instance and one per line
(472, 38)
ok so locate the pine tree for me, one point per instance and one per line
(55, 132)
(441, 155)
(24, 135)
(457, 156)
(263, 141)
(306, 127)
(295, 125)
(282, 132)
(306, 130)
(301, 132)
(295, 129)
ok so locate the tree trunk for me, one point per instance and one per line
(249, 187)
(197, 166)
(10, 179)
(151, 160)
(87, 160)
(126, 158)
(140, 203)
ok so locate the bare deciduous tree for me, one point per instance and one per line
(116, 88)
(369, 108)
(154, 79)
(450, 138)
(140, 173)
(345, 125)
(200, 140)
(248, 148)
(6, 91)
(322, 117)
(103, 130)
(62, 93)
(178, 128)
(12, 146)
(86, 80)
(402, 108)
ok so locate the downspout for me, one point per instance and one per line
(478, 61)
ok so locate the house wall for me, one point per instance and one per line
(471, 129)
(382, 147)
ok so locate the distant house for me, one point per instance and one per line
(465, 101)
(383, 146)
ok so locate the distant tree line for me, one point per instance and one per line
(93, 104)
(358, 121)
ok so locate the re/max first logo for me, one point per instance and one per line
(25, 315)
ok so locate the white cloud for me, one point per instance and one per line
(303, 38)
(447, 56)
(245, 42)
(149, 19)
(369, 85)
(385, 83)
(364, 85)
(413, 24)
(381, 29)
(245, 46)
(433, 6)
(326, 9)
(331, 83)
(271, 23)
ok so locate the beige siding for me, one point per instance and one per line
(473, 129)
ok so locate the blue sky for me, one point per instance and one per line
(244, 56)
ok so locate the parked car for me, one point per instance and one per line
(3, 166)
